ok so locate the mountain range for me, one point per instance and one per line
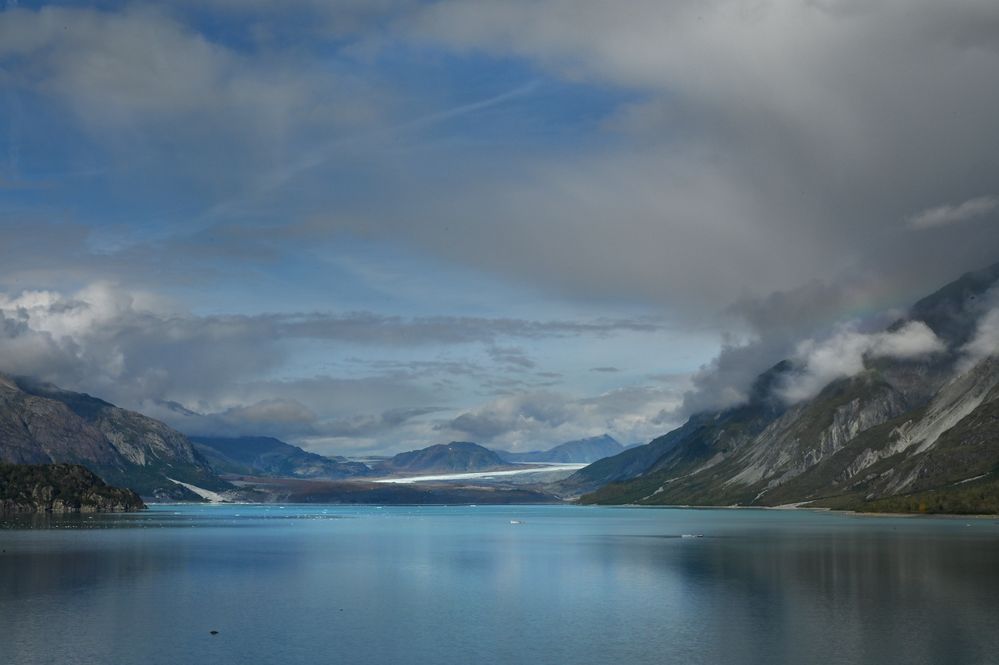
(913, 427)
(909, 431)
(581, 451)
(267, 456)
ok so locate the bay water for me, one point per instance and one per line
(501, 584)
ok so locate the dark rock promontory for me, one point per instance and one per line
(60, 488)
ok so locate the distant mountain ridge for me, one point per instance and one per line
(454, 457)
(901, 427)
(267, 456)
(43, 424)
(580, 451)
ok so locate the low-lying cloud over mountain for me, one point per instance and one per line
(539, 419)
(980, 206)
(843, 355)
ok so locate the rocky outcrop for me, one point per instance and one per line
(60, 488)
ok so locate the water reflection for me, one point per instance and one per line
(919, 593)
(432, 585)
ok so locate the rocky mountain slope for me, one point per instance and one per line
(581, 451)
(60, 488)
(267, 456)
(900, 427)
(43, 424)
(454, 457)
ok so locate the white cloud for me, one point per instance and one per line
(912, 340)
(223, 374)
(954, 214)
(137, 66)
(159, 99)
(843, 354)
(536, 420)
(985, 342)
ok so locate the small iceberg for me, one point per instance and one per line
(692, 535)
(515, 522)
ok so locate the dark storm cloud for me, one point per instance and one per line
(776, 142)
(787, 178)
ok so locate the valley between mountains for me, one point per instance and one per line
(914, 429)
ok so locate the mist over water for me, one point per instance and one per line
(322, 584)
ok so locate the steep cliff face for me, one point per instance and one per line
(814, 431)
(60, 488)
(900, 427)
(952, 441)
(38, 430)
(41, 424)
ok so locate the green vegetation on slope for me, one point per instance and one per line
(60, 488)
(979, 497)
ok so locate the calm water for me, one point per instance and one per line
(463, 585)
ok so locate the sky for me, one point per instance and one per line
(372, 225)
